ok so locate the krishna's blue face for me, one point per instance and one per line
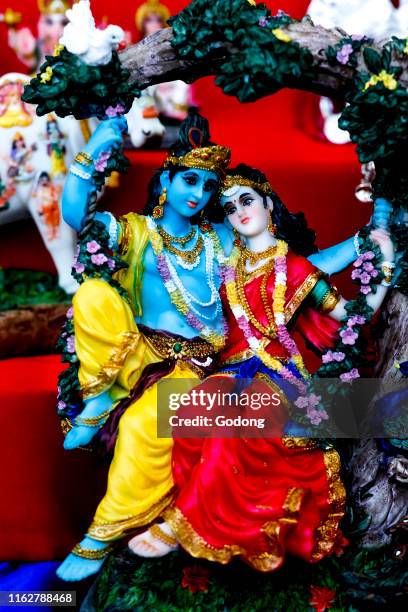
(190, 190)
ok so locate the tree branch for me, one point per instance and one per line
(153, 60)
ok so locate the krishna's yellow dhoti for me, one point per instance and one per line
(113, 354)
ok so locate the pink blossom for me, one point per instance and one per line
(102, 161)
(359, 262)
(316, 416)
(111, 264)
(263, 22)
(314, 400)
(78, 267)
(61, 405)
(350, 376)
(366, 289)
(333, 356)
(356, 320)
(344, 53)
(349, 336)
(113, 111)
(327, 357)
(92, 246)
(302, 402)
(99, 259)
(368, 266)
(357, 36)
(70, 312)
(356, 274)
(365, 278)
(71, 344)
(367, 255)
(280, 264)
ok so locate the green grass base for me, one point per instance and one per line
(361, 579)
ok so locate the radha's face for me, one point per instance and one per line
(245, 210)
(191, 190)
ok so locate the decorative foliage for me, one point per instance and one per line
(108, 162)
(66, 85)
(264, 56)
(349, 353)
(340, 583)
(376, 117)
(25, 288)
(345, 52)
(69, 399)
(94, 260)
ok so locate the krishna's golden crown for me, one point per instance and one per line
(214, 158)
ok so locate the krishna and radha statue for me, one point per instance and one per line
(206, 289)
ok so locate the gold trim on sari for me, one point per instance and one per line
(104, 532)
(108, 373)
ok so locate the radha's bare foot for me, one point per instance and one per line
(86, 559)
(157, 541)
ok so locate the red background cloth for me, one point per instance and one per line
(48, 494)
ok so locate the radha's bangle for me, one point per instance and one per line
(387, 268)
(86, 176)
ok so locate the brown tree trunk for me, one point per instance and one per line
(393, 345)
(379, 482)
(32, 330)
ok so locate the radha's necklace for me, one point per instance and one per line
(270, 331)
(256, 257)
(239, 310)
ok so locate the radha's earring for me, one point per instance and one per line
(237, 239)
(158, 211)
(272, 229)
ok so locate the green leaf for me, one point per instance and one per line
(373, 60)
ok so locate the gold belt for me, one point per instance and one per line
(179, 348)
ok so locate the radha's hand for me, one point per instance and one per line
(382, 238)
(107, 136)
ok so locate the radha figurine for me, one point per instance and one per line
(261, 498)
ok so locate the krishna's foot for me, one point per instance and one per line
(157, 541)
(86, 559)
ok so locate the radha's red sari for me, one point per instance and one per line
(260, 498)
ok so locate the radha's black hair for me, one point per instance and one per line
(194, 132)
(292, 228)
